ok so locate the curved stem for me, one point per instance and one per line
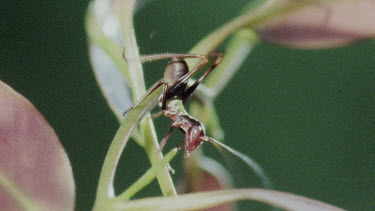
(147, 177)
(204, 200)
(105, 186)
(241, 45)
(238, 50)
(136, 75)
(251, 19)
(238, 47)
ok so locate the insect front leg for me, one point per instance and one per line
(189, 91)
(156, 86)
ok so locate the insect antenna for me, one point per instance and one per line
(246, 159)
(154, 57)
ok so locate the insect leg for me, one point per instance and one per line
(154, 57)
(191, 89)
(165, 139)
(164, 97)
(181, 145)
(186, 77)
(156, 115)
(144, 97)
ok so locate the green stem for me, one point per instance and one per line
(238, 50)
(239, 46)
(105, 187)
(136, 75)
(243, 25)
(147, 177)
(266, 11)
(210, 42)
(114, 51)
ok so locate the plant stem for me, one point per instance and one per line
(237, 51)
(136, 75)
(147, 177)
(105, 187)
(266, 11)
(96, 36)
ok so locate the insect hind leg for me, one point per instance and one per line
(165, 139)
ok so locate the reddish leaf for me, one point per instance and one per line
(31, 157)
(205, 175)
(322, 26)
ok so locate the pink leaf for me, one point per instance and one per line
(322, 26)
(205, 174)
(32, 159)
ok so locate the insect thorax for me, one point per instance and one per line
(175, 69)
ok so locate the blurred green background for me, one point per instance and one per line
(307, 116)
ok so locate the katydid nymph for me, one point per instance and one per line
(176, 92)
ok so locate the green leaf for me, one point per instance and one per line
(205, 200)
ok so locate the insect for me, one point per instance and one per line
(176, 92)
